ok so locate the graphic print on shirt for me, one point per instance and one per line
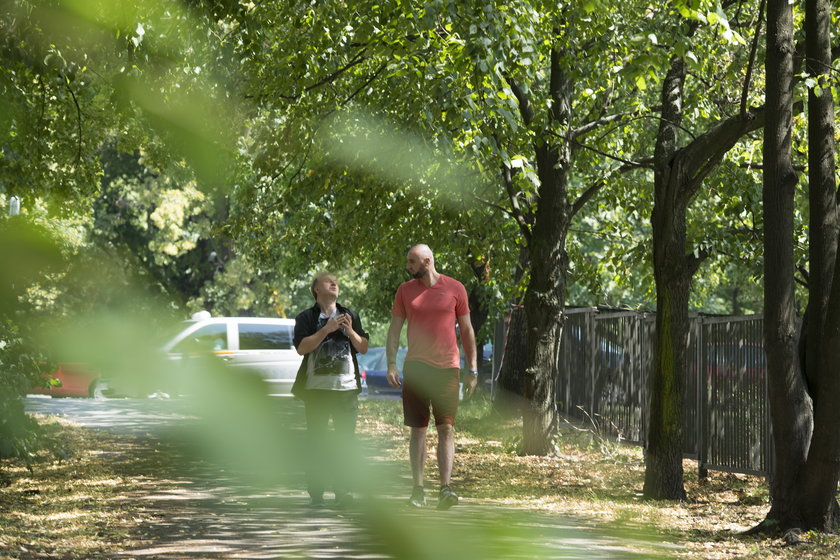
(332, 356)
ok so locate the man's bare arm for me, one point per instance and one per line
(392, 345)
(468, 342)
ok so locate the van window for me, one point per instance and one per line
(207, 338)
(256, 336)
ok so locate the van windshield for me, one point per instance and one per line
(211, 337)
(260, 336)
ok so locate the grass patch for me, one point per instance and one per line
(68, 508)
(592, 478)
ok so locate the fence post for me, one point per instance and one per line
(499, 341)
(701, 394)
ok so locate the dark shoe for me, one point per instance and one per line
(316, 501)
(447, 497)
(418, 497)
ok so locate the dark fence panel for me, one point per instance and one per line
(604, 366)
(693, 403)
(574, 386)
(620, 386)
(736, 429)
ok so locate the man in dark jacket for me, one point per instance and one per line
(328, 336)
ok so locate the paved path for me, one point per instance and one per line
(204, 511)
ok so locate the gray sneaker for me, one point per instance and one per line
(418, 497)
(447, 497)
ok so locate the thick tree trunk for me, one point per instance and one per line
(544, 302)
(539, 417)
(478, 309)
(822, 196)
(678, 175)
(663, 456)
(822, 468)
(790, 408)
(544, 299)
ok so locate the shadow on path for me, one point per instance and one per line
(196, 509)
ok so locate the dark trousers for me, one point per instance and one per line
(330, 451)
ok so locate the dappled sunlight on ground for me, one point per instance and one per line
(148, 490)
(592, 478)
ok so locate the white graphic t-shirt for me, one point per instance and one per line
(330, 366)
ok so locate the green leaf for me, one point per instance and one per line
(640, 83)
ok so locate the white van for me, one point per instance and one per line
(262, 345)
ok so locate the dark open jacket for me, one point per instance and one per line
(306, 324)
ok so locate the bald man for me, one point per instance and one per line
(432, 303)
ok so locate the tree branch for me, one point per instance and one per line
(694, 260)
(586, 196)
(590, 126)
(593, 189)
(517, 213)
(700, 157)
(367, 83)
(556, 84)
(66, 82)
(647, 163)
(498, 207)
(356, 60)
(760, 166)
(805, 279)
(753, 49)
(525, 108)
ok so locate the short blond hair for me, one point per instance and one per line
(317, 278)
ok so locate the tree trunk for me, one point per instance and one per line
(678, 175)
(736, 300)
(790, 407)
(822, 225)
(822, 468)
(663, 457)
(545, 297)
(544, 312)
(478, 310)
(544, 303)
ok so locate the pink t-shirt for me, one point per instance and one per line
(431, 314)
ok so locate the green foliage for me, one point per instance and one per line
(29, 254)
(216, 154)
(74, 73)
(417, 113)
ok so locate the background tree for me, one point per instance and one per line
(817, 497)
(498, 92)
(786, 386)
(73, 74)
(802, 388)
(679, 174)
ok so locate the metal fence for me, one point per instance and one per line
(605, 361)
